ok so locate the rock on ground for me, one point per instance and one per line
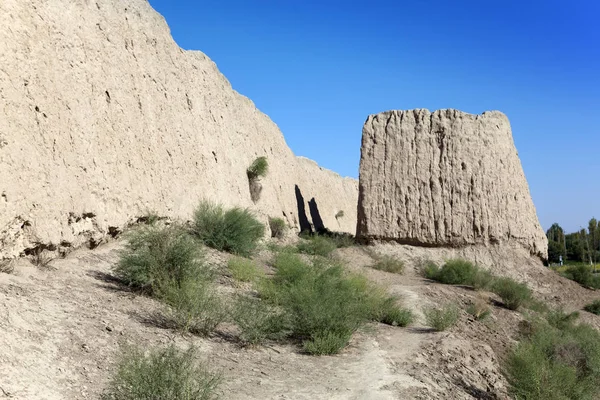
(445, 178)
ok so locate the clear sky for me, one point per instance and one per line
(319, 68)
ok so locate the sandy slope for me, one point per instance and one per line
(61, 329)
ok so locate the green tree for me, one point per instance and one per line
(593, 240)
(556, 243)
(575, 246)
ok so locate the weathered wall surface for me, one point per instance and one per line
(103, 118)
(445, 178)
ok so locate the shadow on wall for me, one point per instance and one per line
(316, 216)
(302, 218)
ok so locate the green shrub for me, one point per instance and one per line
(194, 307)
(166, 374)
(326, 343)
(389, 264)
(236, 230)
(290, 268)
(317, 245)
(459, 272)
(277, 248)
(323, 301)
(244, 270)
(258, 168)
(556, 361)
(442, 318)
(559, 319)
(157, 257)
(258, 321)
(324, 305)
(483, 279)
(593, 307)
(430, 270)
(512, 293)
(167, 263)
(278, 227)
(537, 305)
(455, 272)
(389, 313)
(583, 275)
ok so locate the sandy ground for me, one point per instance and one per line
(61, 330)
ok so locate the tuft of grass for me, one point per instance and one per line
(556, 359)
(323, 304)
(244, 270)
(258, 321)
(559, 319)
(258, 168)
(455, 272)
(483, 279)
(389, 264)
(234, 230)
(278, 227)
(326, 343)
(277, 248)
(480, 309)
(389, 313)
(512, 293)
(342, 239)
(7, 266)
(317, 245)
(167, 264)
(442, 318)
(429, 269)
(593, 307)
(458, 272)
(537, 305)
(583, 275)
(41, 259)
(195, 307)
(166, 374)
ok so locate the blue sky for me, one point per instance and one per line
(319, 68)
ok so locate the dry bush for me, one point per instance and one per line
(7, 266)
(480, 308)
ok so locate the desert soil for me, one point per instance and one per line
(62, 328)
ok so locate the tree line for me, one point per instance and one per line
(582, 246)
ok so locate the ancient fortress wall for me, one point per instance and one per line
(104, 118)
(445, 179)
